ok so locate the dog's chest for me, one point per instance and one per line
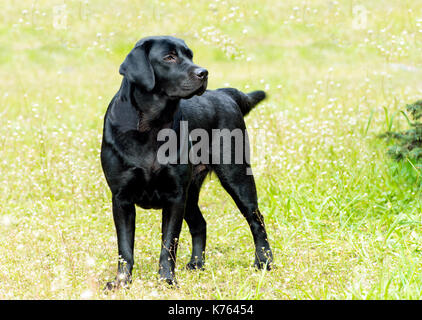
(156, 186)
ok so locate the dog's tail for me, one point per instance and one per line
(255, 97)
(245, 101)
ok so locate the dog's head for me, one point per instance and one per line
(164, 64)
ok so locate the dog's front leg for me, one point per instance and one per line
(171, 227)
(124, 214)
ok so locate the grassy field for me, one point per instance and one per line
(343, 219)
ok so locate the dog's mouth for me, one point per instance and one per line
(201, 89)
(187, 92)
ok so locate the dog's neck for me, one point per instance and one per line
(154, 109)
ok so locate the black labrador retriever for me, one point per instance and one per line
(161, 89)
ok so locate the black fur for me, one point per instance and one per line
(161, 86)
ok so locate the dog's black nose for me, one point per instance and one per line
(201, 73)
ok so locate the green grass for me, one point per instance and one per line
(344, 221)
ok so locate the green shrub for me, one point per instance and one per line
(408, 143)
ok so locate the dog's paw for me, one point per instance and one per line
(263, 260)
(121, 281)
(195, 265)
(168, 278)
(110, 286)
(259, 264)
(171, 281)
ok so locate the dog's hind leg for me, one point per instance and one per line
(196, 223)
(241, 187)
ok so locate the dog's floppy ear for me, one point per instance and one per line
(137, 68)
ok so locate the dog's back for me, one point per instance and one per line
(221, 108)
(245, 101)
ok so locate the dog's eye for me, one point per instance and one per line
(170, 57)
